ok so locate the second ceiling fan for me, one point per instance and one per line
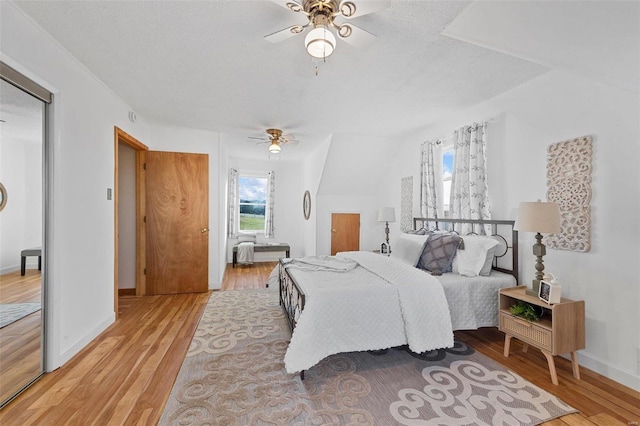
(276, 138)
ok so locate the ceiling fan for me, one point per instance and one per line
(276, 138)
(322, 14)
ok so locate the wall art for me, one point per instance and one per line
(406, 204)
(569, 185)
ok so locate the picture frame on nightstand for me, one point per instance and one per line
(549, 293)
(384, 248)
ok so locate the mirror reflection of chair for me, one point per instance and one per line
(37, 251)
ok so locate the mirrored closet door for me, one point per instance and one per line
(22, 231)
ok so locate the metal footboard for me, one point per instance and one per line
(292, 298)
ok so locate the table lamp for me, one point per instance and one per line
(387, 214)
(539, 217)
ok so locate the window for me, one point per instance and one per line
(447, 171)
(252, 196)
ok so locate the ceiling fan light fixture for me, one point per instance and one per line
(320, 42)
(274, 148)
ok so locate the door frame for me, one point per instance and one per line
(140, 149)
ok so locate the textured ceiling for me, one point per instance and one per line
(206, 65)
(22, 116)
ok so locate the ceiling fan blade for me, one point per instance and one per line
(290, 141)
(358, 36)
(284, 34)
(259, 138)
(350, 9)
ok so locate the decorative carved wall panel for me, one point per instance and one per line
(406, 203)
(569, 184)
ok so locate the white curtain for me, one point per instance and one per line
(232, 200)
(271, 192)
(431, 203)
(469, 189)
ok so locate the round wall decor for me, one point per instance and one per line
(3, 197)
(306, 205)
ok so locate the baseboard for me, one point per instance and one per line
(10, 269)
(623, 377)
(33, 264)
(126, 292)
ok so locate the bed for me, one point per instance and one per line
(358, 301)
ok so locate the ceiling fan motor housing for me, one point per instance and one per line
(275, 133)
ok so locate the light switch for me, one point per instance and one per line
(109, 192)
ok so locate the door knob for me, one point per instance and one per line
(333, 230)
(203, 230)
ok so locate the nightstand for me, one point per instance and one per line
(559, 330)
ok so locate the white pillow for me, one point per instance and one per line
(472, 260)
(408, 248)
(488, 263)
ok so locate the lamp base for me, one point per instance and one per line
(534, 290)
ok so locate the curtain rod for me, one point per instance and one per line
(470, 129)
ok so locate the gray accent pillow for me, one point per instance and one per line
(438, 253)
(421, 231)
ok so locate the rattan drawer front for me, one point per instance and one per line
(526, 331)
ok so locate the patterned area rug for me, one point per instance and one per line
(234, 374)
(12, 312)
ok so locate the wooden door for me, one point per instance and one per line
(345, 232)
(177, 219)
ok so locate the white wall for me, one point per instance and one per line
(81, 219)
(313, 167)
(355, 164)
(288, 215)
(551, 108)
(353, 171)
(179, 139)
(223, 179)
(126, 216)
(21, 219)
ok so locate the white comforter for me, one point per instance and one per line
(378, 305)
(473, 301)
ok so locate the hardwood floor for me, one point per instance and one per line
(244, 277)
(20, 341)
(125, 375)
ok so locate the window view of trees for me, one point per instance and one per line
(252, 193)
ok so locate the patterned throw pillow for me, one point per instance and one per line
(421, 231)
(438, 253)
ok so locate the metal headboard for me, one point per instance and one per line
(499, 228)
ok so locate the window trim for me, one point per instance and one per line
(261, 175)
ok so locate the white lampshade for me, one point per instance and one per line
(274, 148)
(320, 42)
(538, 216)
(387, 214)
